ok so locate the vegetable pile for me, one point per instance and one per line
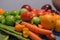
(29, 23)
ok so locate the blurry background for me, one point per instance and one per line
(16, 4)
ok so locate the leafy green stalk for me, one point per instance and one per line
(4, 37)
(9, 28)
(10, 33)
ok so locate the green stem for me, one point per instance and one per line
(10, 28)
(18, 36)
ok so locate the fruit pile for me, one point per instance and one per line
(30, 23)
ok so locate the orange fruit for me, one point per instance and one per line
(47, 21)
(1, 11)
(57, 27)
(55, 17)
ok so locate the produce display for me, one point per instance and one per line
(29, 23)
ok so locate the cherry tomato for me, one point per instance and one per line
(49, 10)
(35, 11)
(25, 32)
(27, 16)
(41, 12)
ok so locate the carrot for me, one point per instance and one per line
(33, 36)
(19, 27)
(36, 33)
(36, 29)
(52, 37)
(40, 26)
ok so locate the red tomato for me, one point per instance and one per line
(27, 16)
(41, 12)
(35, 11)
(49, 10)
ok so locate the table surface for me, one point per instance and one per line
(16, 4)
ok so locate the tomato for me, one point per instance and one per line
(52, 12)
(38, 12)
(49, 10)
(27, 16)
(35, 11)
(47, 21)
(2, 11)
(26, 32)
(41, 12)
